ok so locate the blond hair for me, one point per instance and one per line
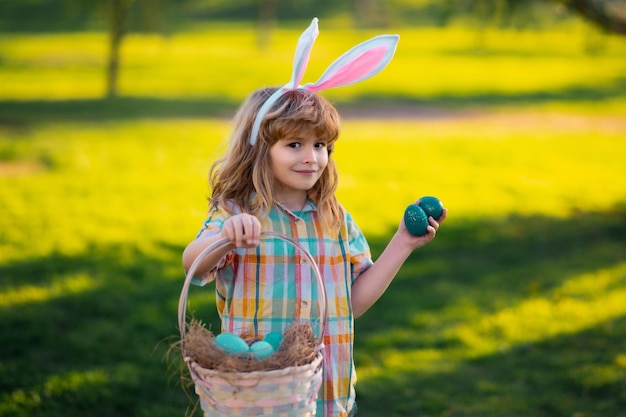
(244, 176)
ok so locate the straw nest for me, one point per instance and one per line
(299, 347)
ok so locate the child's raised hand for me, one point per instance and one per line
(243, 230)
(418, 241)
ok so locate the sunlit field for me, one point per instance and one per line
(223, 62)
(516, 309)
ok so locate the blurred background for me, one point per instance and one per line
(512, 112)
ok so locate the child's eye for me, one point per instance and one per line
(320, 145)
(294, 144)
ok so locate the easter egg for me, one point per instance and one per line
(274, 339)
(231, 343)
(261, 349)
(431, 206)
(415, 220)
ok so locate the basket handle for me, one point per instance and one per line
(222, 242)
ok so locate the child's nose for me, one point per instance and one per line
(309, 156)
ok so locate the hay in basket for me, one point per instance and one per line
(284, 384)
(299, 347)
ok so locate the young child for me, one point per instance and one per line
(278, 175)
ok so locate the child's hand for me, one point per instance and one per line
(431, 231)
(434, 224)
(243, 230)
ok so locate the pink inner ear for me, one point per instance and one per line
(354, 70)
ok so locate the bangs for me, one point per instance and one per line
(300, 110)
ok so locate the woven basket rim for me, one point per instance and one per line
(257, 374)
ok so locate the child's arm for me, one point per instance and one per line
(372, 283)
(243, 231)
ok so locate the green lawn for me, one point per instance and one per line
(516, 309)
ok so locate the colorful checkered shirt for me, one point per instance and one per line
(261, 290)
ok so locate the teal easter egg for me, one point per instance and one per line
(432, 206)
(274, 339)
(231, 343)
(261, 349)
(415, 220)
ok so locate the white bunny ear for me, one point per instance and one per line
(359, 63)
(300, 62)
(303, 52)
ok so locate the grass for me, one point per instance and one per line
(430, 64)
(516, 309)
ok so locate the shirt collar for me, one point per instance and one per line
(309, 205)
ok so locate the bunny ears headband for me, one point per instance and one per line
(359, 63)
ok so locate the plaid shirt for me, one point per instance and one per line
(261, 290)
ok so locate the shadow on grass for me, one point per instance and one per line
(573, 94)
(565, 376)
(501, 261)
(18, 112)
(123, 108)
(97, 348)
(476, 269)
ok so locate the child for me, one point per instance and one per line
(278, 175)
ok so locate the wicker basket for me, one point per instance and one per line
(288, 392)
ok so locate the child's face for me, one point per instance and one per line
(297, 163)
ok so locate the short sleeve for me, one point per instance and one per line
(360, 254)
(211, 227)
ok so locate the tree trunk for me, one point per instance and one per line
(370, 13)
(600, 13)
(117, 30)
(267, 15)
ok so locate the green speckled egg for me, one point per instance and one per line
(415, 220)
(431, 206)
